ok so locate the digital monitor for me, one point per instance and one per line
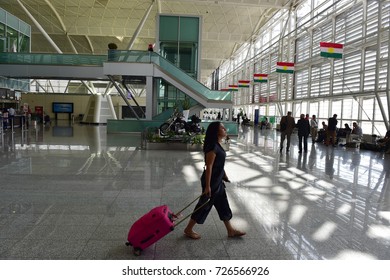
(60, 107)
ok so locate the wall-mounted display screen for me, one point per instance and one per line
(60, 107)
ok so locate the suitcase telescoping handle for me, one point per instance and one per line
(189, 215)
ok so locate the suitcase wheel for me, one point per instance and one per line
(137, 252)
(128, 244)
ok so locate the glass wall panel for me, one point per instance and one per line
(189, 29)
(368, 109)
(313, 108)
(3, 40)
(323, 109)
(12, 38)
(168, 30)
(179, 42)
(24, 43)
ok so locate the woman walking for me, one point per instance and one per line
(213, 186)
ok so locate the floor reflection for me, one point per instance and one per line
(329, 203)
(343, 189)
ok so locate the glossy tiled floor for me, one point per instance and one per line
(72, 192)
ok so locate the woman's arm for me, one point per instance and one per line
(210, 157)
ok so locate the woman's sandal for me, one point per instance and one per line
(192, 235)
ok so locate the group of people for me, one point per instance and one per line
(306, 126)
(8, 115)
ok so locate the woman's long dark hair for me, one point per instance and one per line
(211, 137)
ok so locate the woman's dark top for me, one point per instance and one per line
(218, 170)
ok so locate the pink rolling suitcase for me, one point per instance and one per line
(153, 226)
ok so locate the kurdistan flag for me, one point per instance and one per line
(260, 78)
(243, 83)
(233, 87)
(332, 50)
(285, 67)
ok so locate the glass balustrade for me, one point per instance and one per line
(116, 56)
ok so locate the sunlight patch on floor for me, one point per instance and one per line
(325, 231)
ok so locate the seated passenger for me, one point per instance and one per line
(264, 123)
(347, 129)
(356, 133)
(322, 133)
(343, 132)
(384, 143)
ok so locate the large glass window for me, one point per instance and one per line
(179, 42)
(347, 85)
(12, 38)
(3, 40)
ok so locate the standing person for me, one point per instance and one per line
(332, 125)
(5, 118)
(313, 128)
(303, 126)
(150, 50)
(213, 186)
(112, 55)
(287, 125)
(11, 116)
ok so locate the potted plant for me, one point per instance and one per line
(186, 105)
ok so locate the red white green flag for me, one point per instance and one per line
(285, 67)
(243, 83)
(233, 87)
(260, 78)
(332, 50)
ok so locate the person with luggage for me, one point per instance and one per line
(213, 186)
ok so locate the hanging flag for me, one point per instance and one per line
(243, 83)
(260, 78)
(233, 87)
(331, 50)
(285, 67)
